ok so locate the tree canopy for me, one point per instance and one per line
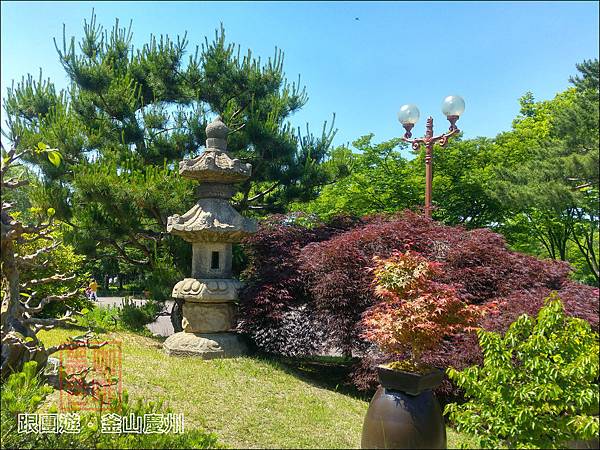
(130, 115)
(536, 183)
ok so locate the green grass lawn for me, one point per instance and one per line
(248, 402)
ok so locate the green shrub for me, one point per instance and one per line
(23, 392)
(128, 317)
(135, 317)
(162, 278)
(98, 318)
(538, 386)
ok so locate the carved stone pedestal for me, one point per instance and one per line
(206, 346)
(208, 317)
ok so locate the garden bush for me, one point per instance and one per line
(274, 299)
(24, 392)
(337, 277)
(538, 385)
(129, 316)
(476, 263)
(415, 314)
(323, 275)
(136, 317)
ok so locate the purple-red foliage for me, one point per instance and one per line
(336, 273)
(480, 262)
(477, 263)
(272, 300)
(306, 286)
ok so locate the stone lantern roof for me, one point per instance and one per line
(215, 165)
(212, 218)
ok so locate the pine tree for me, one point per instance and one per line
(130, 115)
(25, 293)
(552, 182)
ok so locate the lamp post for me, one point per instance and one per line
(452, 107)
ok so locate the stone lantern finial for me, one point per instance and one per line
(216, 135)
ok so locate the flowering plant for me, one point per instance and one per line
(416, 313)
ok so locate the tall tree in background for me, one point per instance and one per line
(131, 115)
(377, 180)
(462, 171)
(551, 185)
(578, 127)
(537, 184)
(382, 180)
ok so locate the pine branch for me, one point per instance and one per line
(11, 156)
(237, 129)
(263, 193)
(13, 230)
(136, 243)
(78, 342)
(581, 186)
(152, 235)
(35, 229)
(41, 235)
(13, 184)
(49, 299)
(57, 277)
(48, 322)
(125, 256)
(239, 110)
(28, 258)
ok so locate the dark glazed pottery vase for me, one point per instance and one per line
(404, 413)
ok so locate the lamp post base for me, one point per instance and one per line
(205, 345)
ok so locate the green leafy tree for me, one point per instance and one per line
(131, 114)
(378, 179)
(549, 182)
(461, 173)
(538, 386)
(381, 179)
(578, 127)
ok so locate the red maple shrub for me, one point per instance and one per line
(273, 301)
(311, 285)
(336, 275)
(416, 313)
(481, 264)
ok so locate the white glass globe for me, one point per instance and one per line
(408, 114)
(453, 105)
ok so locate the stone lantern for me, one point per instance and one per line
(211, 226)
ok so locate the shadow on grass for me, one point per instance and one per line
(328, 372)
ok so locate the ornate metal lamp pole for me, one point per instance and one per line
(452, 106)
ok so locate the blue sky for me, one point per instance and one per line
(490, 53)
